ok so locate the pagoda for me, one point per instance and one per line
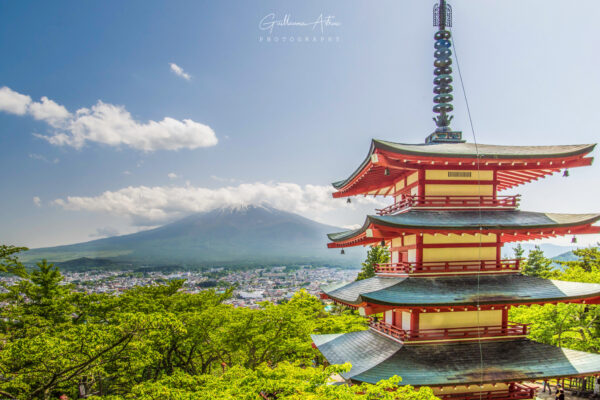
(445, 296)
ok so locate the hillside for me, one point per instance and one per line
(240, 236)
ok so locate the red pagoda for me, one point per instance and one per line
(446, 293)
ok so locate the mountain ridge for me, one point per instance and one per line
(241, 235)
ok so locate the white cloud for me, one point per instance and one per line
(108, 124)
(172, 175)
(177, 70)
(160, 204)
(13, 102)
(49, 111)
(37, 201)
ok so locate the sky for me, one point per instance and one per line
(120, 116)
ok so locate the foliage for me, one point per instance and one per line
(536, 264)
(588, 260)
(285, 382)
(575, 326)
(158, 342)
(375, 255)
(9, 262)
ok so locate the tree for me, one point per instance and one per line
(537, 264)
(519, 252)
(588, 259)
(375, 255)
(161, 342)
(9, 262)
(575, 326)
(286, 381)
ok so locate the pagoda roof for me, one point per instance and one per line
(470, 150)
(375, 357)
(376, 227)
(463, 290)
(532, 162)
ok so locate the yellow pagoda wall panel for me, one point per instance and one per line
(458, 190)
(397, 242)
(452, 238)
(471, 388)
(460, 319)
(400, 184)
(410, 240)
(459, 254)
(451, 175)
(412, 178)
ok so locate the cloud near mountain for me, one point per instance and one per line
(150, 206)
(107, 124)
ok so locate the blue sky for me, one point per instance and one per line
(266, 121)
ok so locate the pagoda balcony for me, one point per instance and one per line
(448, 267)
(451, 202)
(515, 391)
(449, 334)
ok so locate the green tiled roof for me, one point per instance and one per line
(488, 219)
(459, 290)
(485, 150)
(468, 150)
(375, 357)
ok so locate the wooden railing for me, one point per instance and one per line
(515, 391)
(442, 267)
(474, 332)
(413, 201)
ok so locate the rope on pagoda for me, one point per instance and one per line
(462, 84)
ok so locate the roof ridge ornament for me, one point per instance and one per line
(442, 17)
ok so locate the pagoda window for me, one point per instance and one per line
(388, 317)
(405, 320)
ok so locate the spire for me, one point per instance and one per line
(442, 18)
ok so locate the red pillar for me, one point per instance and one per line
(419, 249)
(414, 320)
(421, 184)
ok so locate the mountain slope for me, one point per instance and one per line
(243, 235)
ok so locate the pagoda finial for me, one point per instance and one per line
(442, 18)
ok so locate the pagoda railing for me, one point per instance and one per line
(413, 201)
(515, 391)
(474, 332)
(442, 267)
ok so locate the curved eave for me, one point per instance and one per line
(515, 225)
(462, 291)
(516, 165)
(375, 357)
(487, 151)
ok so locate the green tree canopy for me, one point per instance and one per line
(159, 342)
(575, 326)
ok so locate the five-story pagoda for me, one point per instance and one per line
(446, 293)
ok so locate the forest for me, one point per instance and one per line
(159, 342)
